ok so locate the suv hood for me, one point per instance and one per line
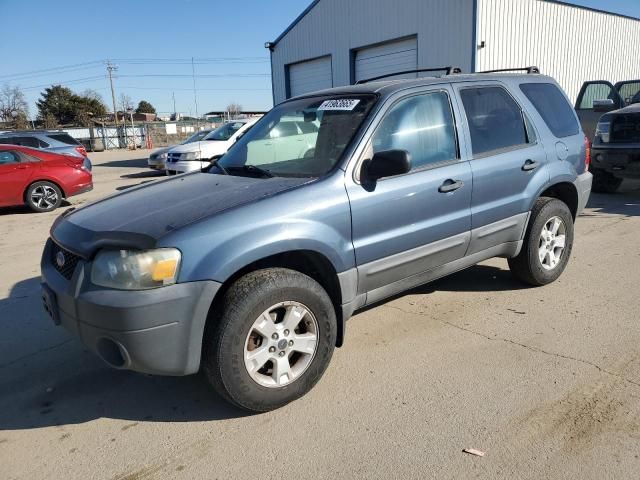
(138, 217)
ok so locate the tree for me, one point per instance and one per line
(60, 105)
(234, 109)
(145, 107)
(13, 106)
(125, 102)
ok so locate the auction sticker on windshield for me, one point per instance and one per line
(339, 104)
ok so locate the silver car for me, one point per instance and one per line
(55, 141)
(158, 158)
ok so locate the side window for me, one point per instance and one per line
(7, 157)
(552, 107)
(495, 119)
(423, 125)
(630, 92)
(26, 141)
(596, 91)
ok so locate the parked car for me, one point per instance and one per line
(40, 179)
(198, 155)
(158, 158)
(250, 269)
(610, 114)
(50, 140)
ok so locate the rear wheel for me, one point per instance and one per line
(547, 243)
(605, 182)
(272, 341)
(43, 196)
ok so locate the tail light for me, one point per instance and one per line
(81, 150)
(587, 154)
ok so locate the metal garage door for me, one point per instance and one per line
(310, 76)
(387, 58)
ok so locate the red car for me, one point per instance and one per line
(41, 179)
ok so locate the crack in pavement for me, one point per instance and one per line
(19, 359)
(523, 345)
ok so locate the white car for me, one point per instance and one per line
(158, 158)
(197, 155)
(277, 145)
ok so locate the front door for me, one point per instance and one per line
(14, 177)
(587, 113)
(409, 224)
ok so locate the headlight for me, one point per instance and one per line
(603, 129)
(136, 269)
(190, 156)
(162, 156)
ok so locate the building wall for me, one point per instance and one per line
(570, 44)
(444, 30)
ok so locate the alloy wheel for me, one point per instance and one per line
(552, 243)
(44, 197)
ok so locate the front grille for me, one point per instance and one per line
(625, 128)
(68, 265)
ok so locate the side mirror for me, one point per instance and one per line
(605, 105)
(387, 163)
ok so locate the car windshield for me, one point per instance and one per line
(196, 137)
(299, 138)
(225, 132)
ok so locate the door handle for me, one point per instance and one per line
(530, 165)
(21, 167)
(450, 186)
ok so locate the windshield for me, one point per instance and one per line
(196, 137)
(300, 138)
(225, 132)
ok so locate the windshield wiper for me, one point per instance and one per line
(253, 169)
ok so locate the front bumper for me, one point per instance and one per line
(621, 160)
(173, 168)
(157, 331)
(156, 163)
(583, 187)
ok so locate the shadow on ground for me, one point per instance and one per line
(626, 201)
(48, 378)
(131, 163)
(23, 209)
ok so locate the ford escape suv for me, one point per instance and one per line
(249, 270)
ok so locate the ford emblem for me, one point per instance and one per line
(60, 260)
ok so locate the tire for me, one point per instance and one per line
(605, 182)
(43, 196)
(528, 266)
(231, 336)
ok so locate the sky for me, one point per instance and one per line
(68, 42)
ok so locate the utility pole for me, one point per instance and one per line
(110, 69)
(195, 97)
(175, 113)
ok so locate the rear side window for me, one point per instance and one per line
(495, 119)
(552, 107)
(596, 91)
(7, 157)
(63, 137)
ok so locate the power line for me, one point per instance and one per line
(52, 69)
(65, 82)
(203, 75)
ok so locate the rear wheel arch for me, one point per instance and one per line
(57, 184)
(566, 192)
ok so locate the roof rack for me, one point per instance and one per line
(447, 70)
(529, 70)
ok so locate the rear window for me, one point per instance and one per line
(64, 138)
(553, 107)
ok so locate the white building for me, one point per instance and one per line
(338, 42)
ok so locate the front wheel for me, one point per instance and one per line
(547, 243)
(43, 196)
(272, 341)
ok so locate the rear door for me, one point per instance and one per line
(508, 163)
(589, 93)
(14, 177)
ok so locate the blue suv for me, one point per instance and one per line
(250, 269)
